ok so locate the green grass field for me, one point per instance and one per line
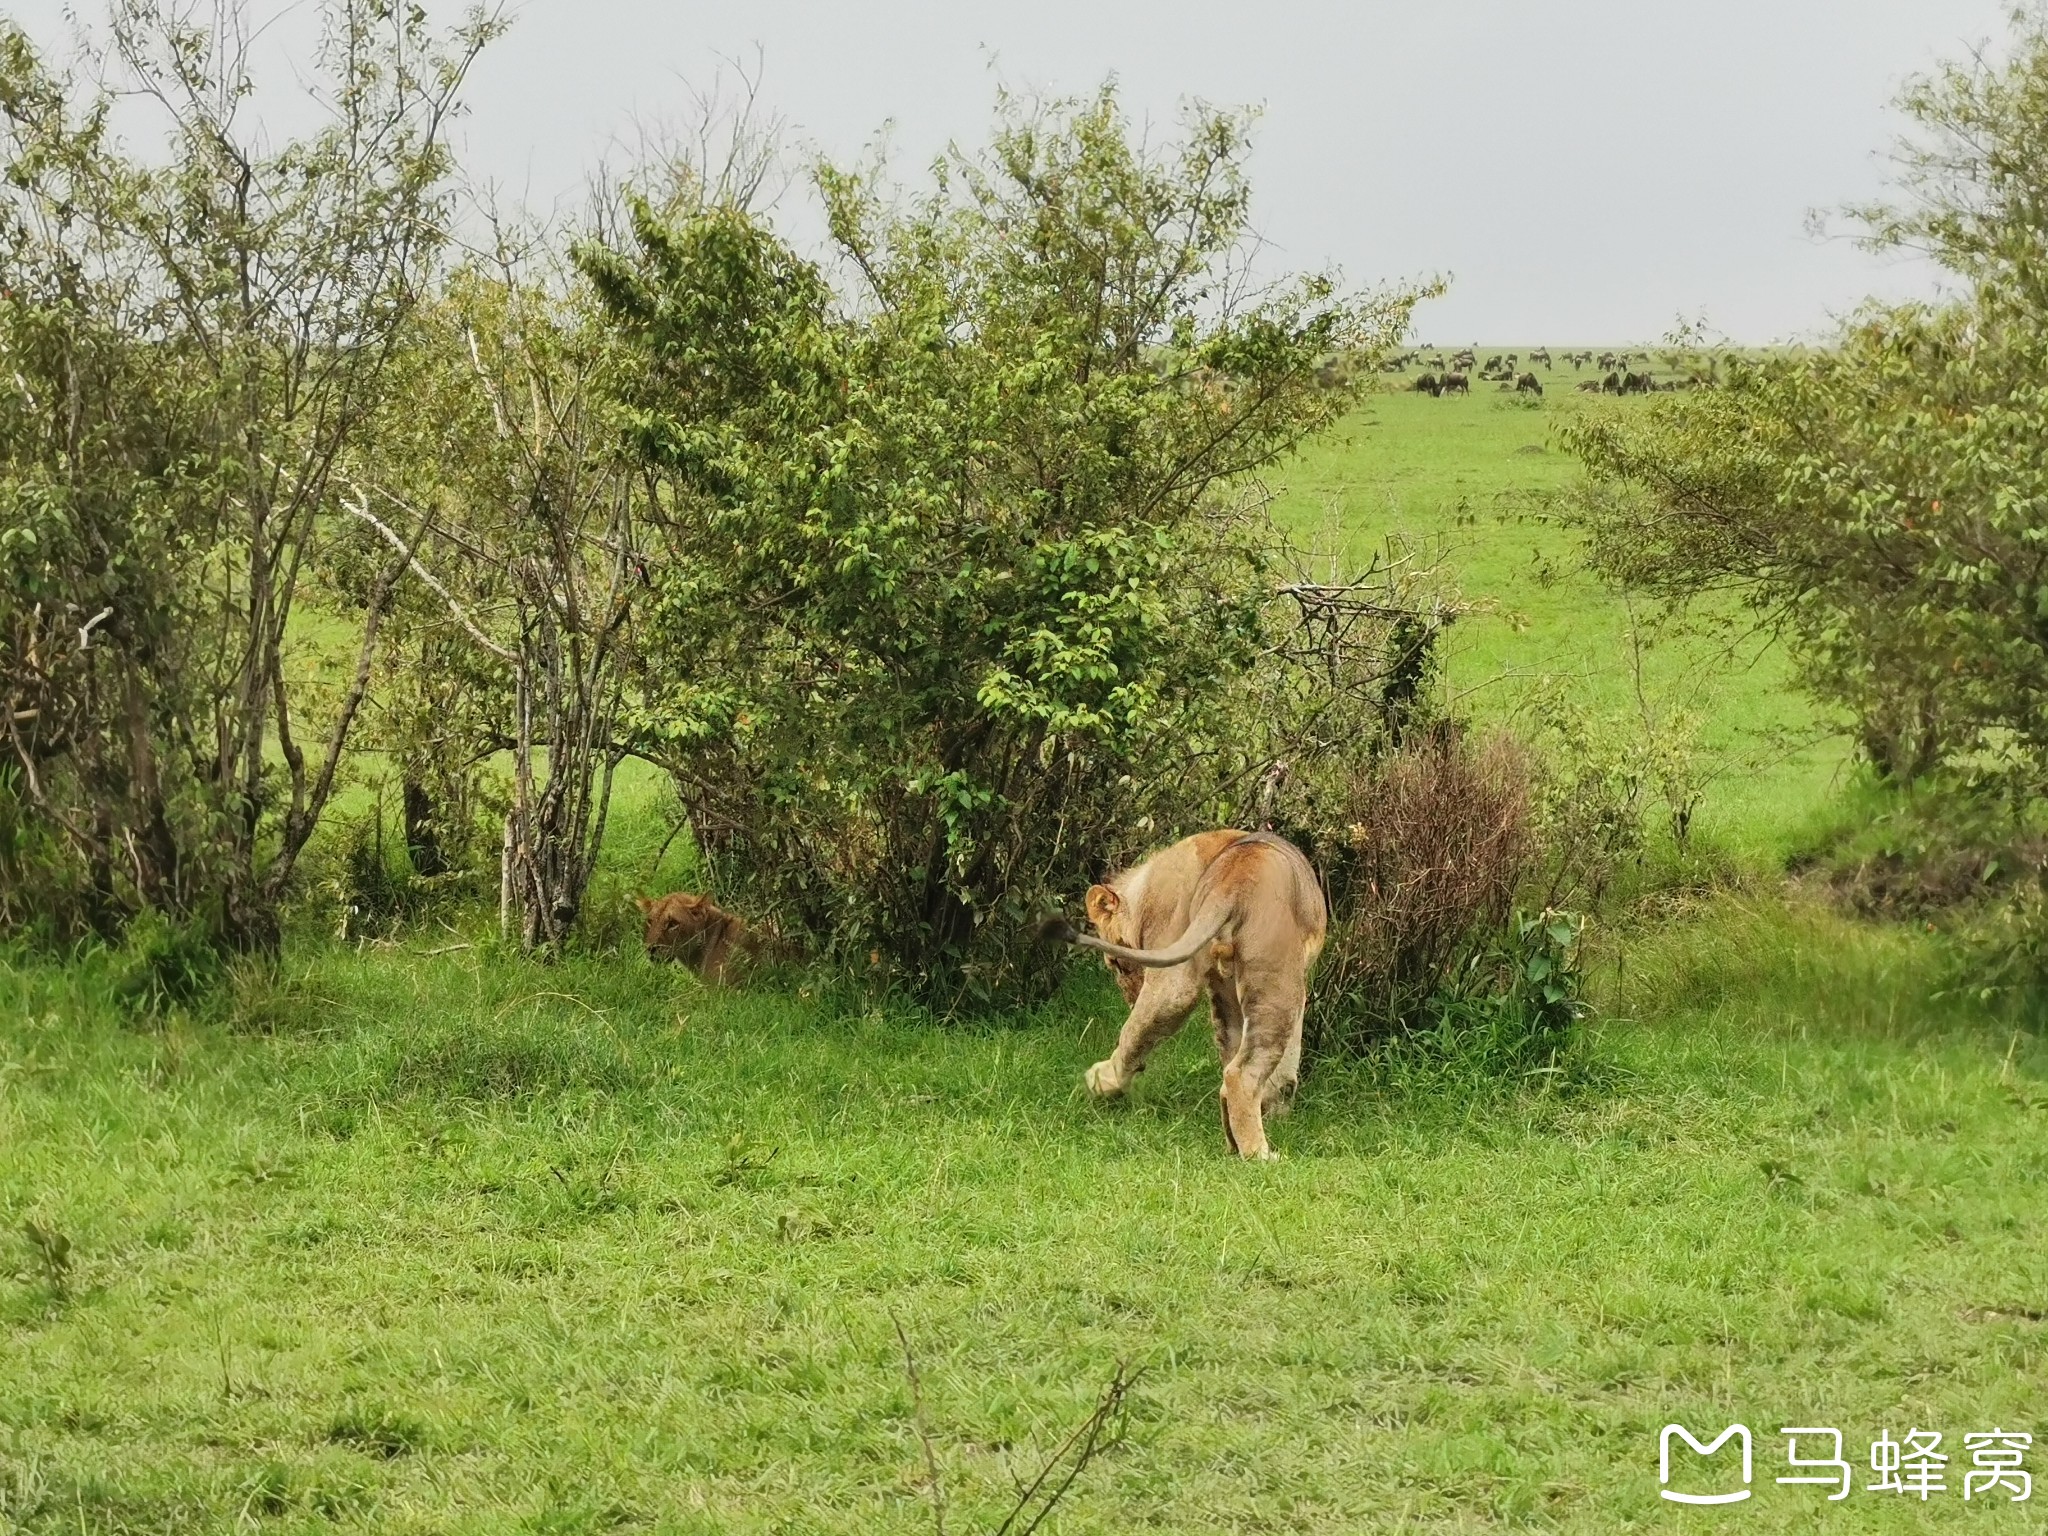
(1465, 483)
(399, 1241)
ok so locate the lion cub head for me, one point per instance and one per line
(692, 930)
(1107, 915)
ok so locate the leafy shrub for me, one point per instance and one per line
(1940, 847)
(1506, 1018)
(2000, 954)
(42, 893)
(215, 315)
(1435, 841)
(362, 881)
(950, 581)
(1515, 1001)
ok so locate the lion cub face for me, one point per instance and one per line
(692, 929)
(674, 920)
(1106, 915)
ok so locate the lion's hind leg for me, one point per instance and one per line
(1278, 1098)
(1271, 1040)
(1227, 1014)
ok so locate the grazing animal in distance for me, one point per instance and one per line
(1527, 384)
(1429, 385)
(695, 931)
(1456, 384)
(1240, 914)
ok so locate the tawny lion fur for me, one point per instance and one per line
(1239, 914)
(695, 931)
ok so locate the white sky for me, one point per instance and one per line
(1584, 170)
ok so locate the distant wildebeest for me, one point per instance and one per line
(1611, 385)
(1635, 383)
(1429, 384)
(1541, 355)
(1456, 384)
(1528, 384)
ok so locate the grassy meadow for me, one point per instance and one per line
(426, 1237)
(1466, 485)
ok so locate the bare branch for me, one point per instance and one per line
(933, 1485)
(1087, 1441)
(85, 630)
(360, 509)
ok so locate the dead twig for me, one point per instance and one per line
(1089, 1439)
(934, 1485)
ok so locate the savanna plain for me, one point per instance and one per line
(425, 1236)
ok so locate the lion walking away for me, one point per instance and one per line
(1238, 914)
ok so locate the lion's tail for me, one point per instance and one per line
(1201, 933)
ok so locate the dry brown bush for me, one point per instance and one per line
(1434, 841)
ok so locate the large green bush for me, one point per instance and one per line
(953, 569)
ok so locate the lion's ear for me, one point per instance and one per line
(1103, 902)
(644, 903)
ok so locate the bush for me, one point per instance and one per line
(2000, 953)
(950, 581)
(361, 881)
(1942, 846)
(1514, 1003)
(197, 335)
(1431, 845)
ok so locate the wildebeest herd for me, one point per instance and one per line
(1515, 372)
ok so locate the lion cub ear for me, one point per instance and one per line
(644, 903)
(1103, 903)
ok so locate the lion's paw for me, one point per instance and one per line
(1103, 1081)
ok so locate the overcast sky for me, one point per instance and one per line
(1583, 170)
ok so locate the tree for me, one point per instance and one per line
(200, 338)
(518, 629)
(954, 569)
(1881, 502)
